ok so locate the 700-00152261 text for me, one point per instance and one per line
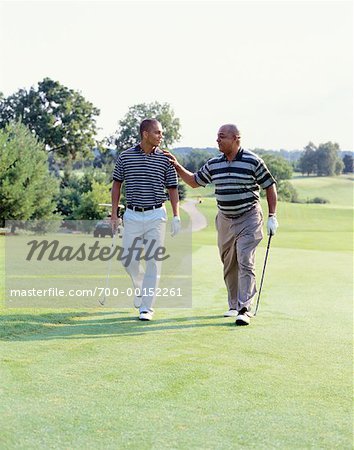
(115, 292)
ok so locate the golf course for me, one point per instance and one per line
(191, 379)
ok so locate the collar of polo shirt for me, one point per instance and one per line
(237, 157)
(138, 147)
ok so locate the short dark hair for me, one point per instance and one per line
(146, 125)
(232, 129)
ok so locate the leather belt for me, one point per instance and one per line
(147, 208)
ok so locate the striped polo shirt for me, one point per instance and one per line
(146, 176)
(237, 182)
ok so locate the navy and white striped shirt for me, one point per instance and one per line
(236, 182)
(146, 176)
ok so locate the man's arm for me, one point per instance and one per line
(187, 177)
(176, 221)
(115, 201)
(271, 193)
(174, 199)
(272, 223)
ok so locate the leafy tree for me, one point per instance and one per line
(348, 162)
(128, 135)
(287, 192)
(278, 166)
(59, 116)
(282, 171)
(327, 157)
(89, 207)
(308, 160)
(339, 166)
(27, 190)
(91, 177)
(104, 157)
(77, 194)
(194, 159)
(323, 160)
(69, 195)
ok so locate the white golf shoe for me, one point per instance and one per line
(231, 313)
(145, 315)
(243, 317)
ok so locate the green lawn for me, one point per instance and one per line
(191, 379)
(335, 189)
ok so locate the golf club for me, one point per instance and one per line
(118, 230)
(265, 263)
(102, 298)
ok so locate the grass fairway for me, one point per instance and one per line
(336, 190)
(191, 379)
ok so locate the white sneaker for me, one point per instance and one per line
(145, 315)
(137, 301)
(243, 317)
(231, 313)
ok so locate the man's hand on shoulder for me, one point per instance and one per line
(172, 158)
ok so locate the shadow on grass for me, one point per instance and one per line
(83, 325)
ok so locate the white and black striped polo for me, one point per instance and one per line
(236, 182)
(146, 176)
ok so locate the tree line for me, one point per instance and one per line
(49, 130)
(324, 160)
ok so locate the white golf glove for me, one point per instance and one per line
(175, 226)
(272, 225)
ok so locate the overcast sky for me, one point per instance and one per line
(281, 70)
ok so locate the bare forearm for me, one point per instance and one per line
(115, 197)
(174, 199)
(187, 176)
(271, 193)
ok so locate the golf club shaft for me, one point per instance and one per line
(265, 263)
(103, 300)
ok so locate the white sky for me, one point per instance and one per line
(282, 71)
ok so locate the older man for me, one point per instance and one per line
(146, 172)
(237, 175)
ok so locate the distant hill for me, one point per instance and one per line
(289, 155)
(292, 155)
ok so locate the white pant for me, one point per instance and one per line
(145, 232)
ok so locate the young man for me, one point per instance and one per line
(146, 172)
(237, 175)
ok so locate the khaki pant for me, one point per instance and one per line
(237, 242)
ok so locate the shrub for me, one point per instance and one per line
(317, 200)
(287, 192)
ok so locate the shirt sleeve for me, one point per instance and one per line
(203, 176)
(263, 177)
(118, 172)
(171, 180)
